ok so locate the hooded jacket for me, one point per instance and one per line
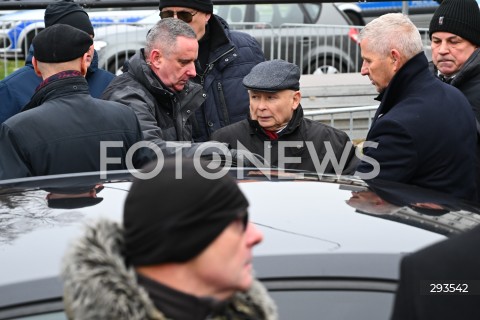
(99, 285)
(303, 131)
(426, 133)
(163, 114)
(232, 55)
(17, 89)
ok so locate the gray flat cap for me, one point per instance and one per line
(273, 76)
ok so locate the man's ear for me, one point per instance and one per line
(396, 59)
(207, 17)
(297, 97)
(35, 67)
(85, 61)
(155, 58)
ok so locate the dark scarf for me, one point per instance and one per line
(59, 76)
(178, 305)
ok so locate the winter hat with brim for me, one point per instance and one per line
(201, 5)
(460, 17)
(175, 215)
(272, 76)
(68, 12)
(60, 43)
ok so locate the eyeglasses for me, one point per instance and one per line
(182, 15)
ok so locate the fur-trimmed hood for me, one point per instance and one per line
(98, 285)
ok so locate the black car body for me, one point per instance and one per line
(324, 252)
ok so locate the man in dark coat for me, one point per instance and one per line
(423, 132)
(62, 128)
(277, 129)
(17, 89)
(441, 282)
(224, 58)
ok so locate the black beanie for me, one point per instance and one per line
(460, 17)
(201, 5)
(68, 12)
(173, 220)
(60, 43)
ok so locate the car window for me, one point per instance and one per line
(330, 305)
(231, 13)
(277, 14)
(313, 10)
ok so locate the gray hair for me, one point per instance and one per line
(164, 34)
(393, 31)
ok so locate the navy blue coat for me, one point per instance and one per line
(426, 133)
(233, 55)
(17, 89)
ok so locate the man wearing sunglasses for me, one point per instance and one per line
(225, 57)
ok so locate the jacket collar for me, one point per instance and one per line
(470, 69)
(292, 125)
(56, 86)
(401, 81)
(178, 305)
(138, 69)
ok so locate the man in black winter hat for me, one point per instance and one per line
(68, 12)
(183, 259)
(455, 34)
(62, 128)
(224, 58)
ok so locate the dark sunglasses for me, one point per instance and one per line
(182, 15)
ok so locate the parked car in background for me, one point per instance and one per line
(330, 248)
(353, 12)
(420, 12)
(318, 37)
(18, 28)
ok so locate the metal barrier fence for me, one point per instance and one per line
(314, 48)
(354, 121)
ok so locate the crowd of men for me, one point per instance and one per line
(197, 85)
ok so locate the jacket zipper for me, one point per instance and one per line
(223, 103)
(211, 64)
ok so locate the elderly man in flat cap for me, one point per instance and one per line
(17, 89)
(277, 126)
(171, 259)
(224, 58)
(62, 128)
